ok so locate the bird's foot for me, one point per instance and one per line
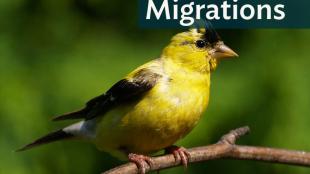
(141, 161)
(180, 154)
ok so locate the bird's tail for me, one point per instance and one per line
(72, 131)
(51, 137)
(80, 114)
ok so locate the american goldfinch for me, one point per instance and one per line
(153, 106)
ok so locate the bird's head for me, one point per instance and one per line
(197, 50)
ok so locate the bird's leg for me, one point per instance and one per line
(180, 154)
(141, 161)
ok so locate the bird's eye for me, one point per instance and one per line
(200, 43)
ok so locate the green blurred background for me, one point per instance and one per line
(55, 55)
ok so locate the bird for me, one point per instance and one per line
(152, 107)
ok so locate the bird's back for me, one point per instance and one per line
(162, 116)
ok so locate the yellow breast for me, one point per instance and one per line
(165, 114)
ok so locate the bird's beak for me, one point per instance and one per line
(220, 51)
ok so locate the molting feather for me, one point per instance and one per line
(210, 34)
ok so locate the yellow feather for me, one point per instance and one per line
(153, 106)
(168, 112)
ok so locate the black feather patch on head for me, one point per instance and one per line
(210, 34)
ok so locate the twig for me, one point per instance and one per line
(225, 148)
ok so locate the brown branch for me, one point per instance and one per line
(225, 148)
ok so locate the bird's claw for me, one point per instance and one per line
(180, 154)
(141, 161)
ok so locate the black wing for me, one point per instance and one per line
(121, 92)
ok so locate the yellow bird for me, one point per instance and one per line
(154, 106)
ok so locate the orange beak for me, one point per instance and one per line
(221, 51)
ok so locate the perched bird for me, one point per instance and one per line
(153, 106)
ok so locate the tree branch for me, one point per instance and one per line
(225, 148)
